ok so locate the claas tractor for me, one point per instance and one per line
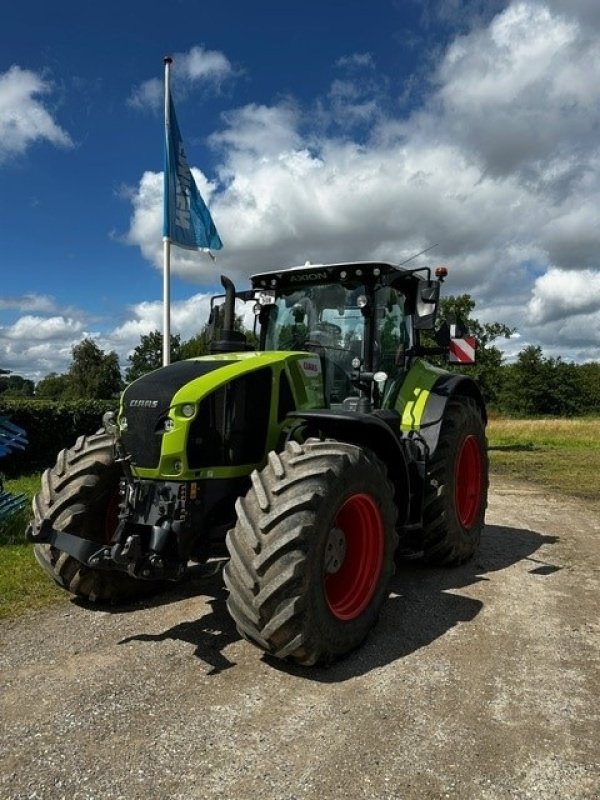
(307, 465)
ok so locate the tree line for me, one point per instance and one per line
(532, 385)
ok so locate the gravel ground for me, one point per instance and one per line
(479, 682)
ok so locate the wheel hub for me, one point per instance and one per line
(335, 551)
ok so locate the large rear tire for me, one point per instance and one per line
(456, 486)
(312, 551)
(80, 495)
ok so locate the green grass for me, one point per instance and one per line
(24, 586)
(561, 454)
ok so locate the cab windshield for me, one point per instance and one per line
(332, 320)
(320, 316)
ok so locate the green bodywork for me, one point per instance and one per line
(305, 378)
(407, 393)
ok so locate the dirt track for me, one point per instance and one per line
(480, 682)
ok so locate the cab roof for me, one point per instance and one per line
(323, 273)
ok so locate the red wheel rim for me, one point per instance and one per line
(111, 518)
(349, 590)
(467, 481)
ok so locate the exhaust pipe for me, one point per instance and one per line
(229, 306)
(231, 341)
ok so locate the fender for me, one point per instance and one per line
(381, 434)
(443, 389)
(421, 399)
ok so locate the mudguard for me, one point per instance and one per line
(421, 398)
(380, 432)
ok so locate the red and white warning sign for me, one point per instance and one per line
(462, 351)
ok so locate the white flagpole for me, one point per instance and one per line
(166, 241)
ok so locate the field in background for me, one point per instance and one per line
(563, 455)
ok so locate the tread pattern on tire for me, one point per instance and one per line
(73, 497)
(268, 574)
(445, 541)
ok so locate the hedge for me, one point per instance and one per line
(50, 426)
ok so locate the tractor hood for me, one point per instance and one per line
(216, 413)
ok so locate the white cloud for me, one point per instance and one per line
(520, 92)
(24, 119)
(35, 345)
(561, 294)
(43, 328)
(197, 67)
(187, 319)
(259, 131)
(149, 94)
(356, 61)
(29, 302)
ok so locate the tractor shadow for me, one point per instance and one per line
(210, 635)
(423, 606)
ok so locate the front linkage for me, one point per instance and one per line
(153, 535)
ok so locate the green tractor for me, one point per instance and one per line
(316, 460)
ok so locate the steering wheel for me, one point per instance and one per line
(329, 328)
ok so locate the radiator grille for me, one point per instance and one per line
(231, 426)
(147, 401)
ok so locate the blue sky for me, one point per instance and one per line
(334, 131)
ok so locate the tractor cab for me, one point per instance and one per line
(362, 319)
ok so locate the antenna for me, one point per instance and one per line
(427, 249)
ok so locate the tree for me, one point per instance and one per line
(147, 356)
(94, 373)
(196, 346)
(53, 387)
(589, 376)
(526, 383)
(15, 386)
(538, 386)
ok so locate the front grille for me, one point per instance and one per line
(230, 428)
(146, 404)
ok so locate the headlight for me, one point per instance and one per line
(188, 410)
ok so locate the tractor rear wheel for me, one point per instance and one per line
(456, 486)
(312, 551)
(80, 495)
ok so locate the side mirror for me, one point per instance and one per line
(427, 305)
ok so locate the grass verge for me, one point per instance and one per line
(561, 454)
(23, 584)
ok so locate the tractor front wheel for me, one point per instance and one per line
(80, 495)
(312, 552)
(456, 486)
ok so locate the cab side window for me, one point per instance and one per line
(392, 331)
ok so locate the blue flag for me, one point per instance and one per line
(187, 221)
